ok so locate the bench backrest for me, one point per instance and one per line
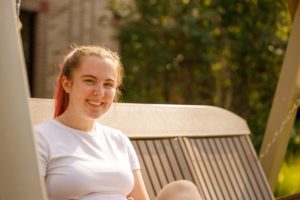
(207, 145)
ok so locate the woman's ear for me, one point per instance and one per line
(66, 84)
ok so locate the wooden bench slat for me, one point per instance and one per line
(198, 167)
(236, 177)
(149, 166)
(159, 169)
(229, 177)
(216, 172)
(212, 180)
(188, 160)
(249, 169)
(255, 166)
(144, 171)
(172, 160)
(247, 186)
(164, 160)
(181, 159)
(229, 192)
(250, 172)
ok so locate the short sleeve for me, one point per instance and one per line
(42, 150)
(133, 159)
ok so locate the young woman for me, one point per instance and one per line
(82, 159)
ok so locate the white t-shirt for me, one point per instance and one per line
(94, 165)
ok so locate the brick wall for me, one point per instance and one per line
(60, 25)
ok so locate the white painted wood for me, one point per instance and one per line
(159, 120)
(287, 92)
(19, 174)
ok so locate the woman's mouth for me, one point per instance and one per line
(94, 103)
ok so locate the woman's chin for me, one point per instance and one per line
(95, 115)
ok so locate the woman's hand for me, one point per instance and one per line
(139, 191)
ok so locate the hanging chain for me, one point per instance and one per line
(18, 7)
(282, 126)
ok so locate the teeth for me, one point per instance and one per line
(96, 103)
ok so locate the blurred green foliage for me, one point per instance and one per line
(217, 52)
(288, 181)
(289, 176)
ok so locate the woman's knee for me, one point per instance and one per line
(179, 190)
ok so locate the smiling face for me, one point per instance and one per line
(92, 87)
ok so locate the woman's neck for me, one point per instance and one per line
(72, 121)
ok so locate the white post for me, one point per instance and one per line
(286, 95)
(19, 174)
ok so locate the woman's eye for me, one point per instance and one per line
(109, 84)
(90, 81)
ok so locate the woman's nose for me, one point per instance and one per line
(99, 91)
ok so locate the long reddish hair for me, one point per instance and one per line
(72, 61)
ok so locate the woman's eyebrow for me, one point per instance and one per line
(94, 77)
(88, 76)
(110, 79)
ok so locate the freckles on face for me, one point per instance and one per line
(94, 85)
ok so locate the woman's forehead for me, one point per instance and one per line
(96, 65)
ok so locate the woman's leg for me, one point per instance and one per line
(179, 190)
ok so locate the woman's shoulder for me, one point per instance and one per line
(110, 131)
(49, 128)
(42, 130)
(43, 125)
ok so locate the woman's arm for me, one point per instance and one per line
(139, 191)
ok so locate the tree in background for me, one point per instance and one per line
(224, 53)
